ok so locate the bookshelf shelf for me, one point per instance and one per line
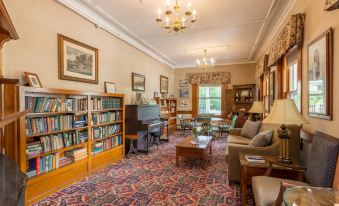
(65, 165)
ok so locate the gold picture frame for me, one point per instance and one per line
(163, 84)
(33, 79)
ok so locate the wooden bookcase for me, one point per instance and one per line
(168, 111)
(91, 118)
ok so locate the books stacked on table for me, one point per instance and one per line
(33, 148)
(77, 153)
(254, 159)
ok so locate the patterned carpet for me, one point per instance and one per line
(154, 179)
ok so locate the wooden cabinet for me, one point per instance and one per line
(168, 111)
(244, 96)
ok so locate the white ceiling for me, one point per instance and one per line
(231, 30)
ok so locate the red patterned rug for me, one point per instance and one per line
(153, 179)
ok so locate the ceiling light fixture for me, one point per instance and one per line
(173, 20)
(205, 63)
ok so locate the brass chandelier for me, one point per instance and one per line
(174, 20)
(205, 62)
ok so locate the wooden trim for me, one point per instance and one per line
(195, 100)
(163, 77)
(184, 112)
(7, 28)
(61, 39)
(223, 100)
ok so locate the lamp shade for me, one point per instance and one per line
(284, 111)
(257, 107)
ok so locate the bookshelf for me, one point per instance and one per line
(244, 96)
(68, 134)
(168, 111)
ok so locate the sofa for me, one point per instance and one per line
(238, 144)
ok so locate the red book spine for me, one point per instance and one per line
(37, 166)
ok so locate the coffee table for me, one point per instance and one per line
(186, 148)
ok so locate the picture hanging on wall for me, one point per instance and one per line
(138, 82)
(32, 79)
(184, 92)
(183, 83)
(163, 84)
(77, 61)
(183, 103)
(110, 87)
(320, 76)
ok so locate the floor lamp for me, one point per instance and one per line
(284, 112)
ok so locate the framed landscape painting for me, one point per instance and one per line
(163, 84)
(184, 93)
(138, 82)
(320, 76)
(77, 61)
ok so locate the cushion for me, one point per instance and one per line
(250, 129)
(238, 139)
(266, 189)
(324, 151)
(262, 139)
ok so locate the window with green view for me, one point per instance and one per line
(210, 100)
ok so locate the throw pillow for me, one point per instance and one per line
(262, 139)
(250, 129)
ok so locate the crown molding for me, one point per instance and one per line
(185, 66)
(103, 23)
(278, 26)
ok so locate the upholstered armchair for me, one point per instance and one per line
(320, 172)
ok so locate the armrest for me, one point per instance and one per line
(292, 167)
(235, 131)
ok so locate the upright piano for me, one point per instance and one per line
(141, 120)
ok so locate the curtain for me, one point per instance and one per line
(291, 35)
(331, 5)
(211, 78)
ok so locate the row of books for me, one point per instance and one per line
(107, 117)
(59, 104)
(101, 132)
(40, 165)
(55, 142)
(77, 153)
(106, 103)
(49, 124)
(107, 144)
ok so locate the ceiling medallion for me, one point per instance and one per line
(205, 62)
(174, 20)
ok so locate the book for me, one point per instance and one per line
(100, 103)
(49, 124)
(59, 104)
(254, 159)
(107, 117)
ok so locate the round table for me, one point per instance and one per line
(305, 196)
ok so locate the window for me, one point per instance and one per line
(210, 100)
(294, 87)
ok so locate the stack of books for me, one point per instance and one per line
(80, 121)
(31, 173)
(107, 117)
(98, 147)
(46, 104)
(33, 148)
(48, 124)
(254, 159)
(65, 161)
(101, 132)
(100, 103)
(77, 153)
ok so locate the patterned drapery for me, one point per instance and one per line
(261, 66)
(331, 5)
(211, 78)
(291, 35)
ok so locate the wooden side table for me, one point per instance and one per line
(249, 170)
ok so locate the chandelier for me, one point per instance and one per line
(204, 63)
(174, 20)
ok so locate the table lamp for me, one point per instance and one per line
(257, 108)
(284, 112)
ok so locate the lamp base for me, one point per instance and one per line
(284, 160)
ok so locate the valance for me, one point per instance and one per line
(261, 67)
(331, 5)
(211, 78)
(291, 35)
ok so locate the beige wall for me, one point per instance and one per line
(240, 74)
(37, 23)
(317, 22)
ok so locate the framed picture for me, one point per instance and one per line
(183, 103)
(184, 93)
(110, 87)
(163, 84)
(245, 93)
(77, 61)
(183, 83)
(32, 79)
(138, 82)
(156, 94)
(320, 76)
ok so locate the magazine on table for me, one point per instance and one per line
(254, 159)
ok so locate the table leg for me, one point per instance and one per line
(244, 185)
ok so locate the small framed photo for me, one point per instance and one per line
(183, 103)
(184, 92)
(33, 79)
(138, 82)
(163, 84)
(110, 87)
(156, 94)
(183, 83)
